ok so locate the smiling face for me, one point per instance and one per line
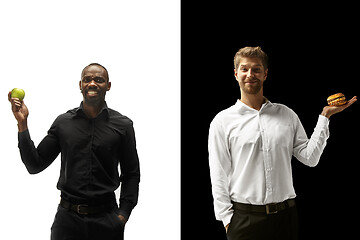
(94, 84)
(250, 75)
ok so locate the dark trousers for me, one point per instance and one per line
(69, 225)
(261, 226)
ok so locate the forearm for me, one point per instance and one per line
(222, 201)
(22, 126)
(308, 151)
(219, 176)
(129, 194)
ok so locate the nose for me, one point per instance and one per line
(92, 83)
(250, 73)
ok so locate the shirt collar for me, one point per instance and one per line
(239, 104)
(80, 109)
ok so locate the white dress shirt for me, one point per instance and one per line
(250, 154)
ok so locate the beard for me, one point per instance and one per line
(251, 88)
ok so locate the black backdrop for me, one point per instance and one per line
(313, 53)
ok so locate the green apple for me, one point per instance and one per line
(18, 93)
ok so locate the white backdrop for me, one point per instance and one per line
(44, 45)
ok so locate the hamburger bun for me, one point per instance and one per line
(337, 100)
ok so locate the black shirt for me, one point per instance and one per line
(91, 150)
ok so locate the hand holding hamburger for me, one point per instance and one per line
(337, 103)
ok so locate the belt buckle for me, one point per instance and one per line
(271, 208)
(79, 207)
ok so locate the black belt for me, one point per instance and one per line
(271, 208)
(85, 209)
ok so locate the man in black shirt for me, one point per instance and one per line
(93, 140)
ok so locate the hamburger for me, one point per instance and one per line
(337, 100)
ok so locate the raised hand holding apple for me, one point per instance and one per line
(19, 108)
(18, 93)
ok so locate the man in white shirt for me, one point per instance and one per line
(250, 149)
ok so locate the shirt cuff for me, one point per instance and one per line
(227, 219)
(123, 213)
(323, 122)
(24, 136)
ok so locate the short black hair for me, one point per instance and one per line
(99, 65)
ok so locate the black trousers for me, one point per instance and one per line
(261, 226)
(69, 225)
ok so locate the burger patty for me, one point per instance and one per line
(337, 100)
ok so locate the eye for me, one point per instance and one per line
(86, 80)
(243, 69)
(99, 80)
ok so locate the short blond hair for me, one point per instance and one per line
(251, 52)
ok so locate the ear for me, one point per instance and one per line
(109, 86)
(266, 74)
(80, 85)
(235, 74)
